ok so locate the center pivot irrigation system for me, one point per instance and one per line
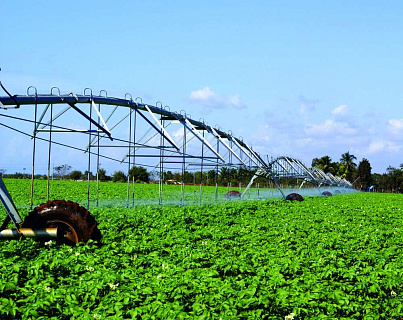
(132, 133)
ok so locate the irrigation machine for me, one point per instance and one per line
(128, 132)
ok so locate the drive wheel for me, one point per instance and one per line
(232, 194)
(74, 222)
(294, 197)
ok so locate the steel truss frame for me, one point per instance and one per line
(216, 148)
(289, 168)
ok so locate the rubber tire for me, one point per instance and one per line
(232, 194)
(75, 223)
(294, 197)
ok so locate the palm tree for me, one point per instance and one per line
(348, 166)
(325, 164)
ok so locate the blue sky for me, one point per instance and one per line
(304, 79)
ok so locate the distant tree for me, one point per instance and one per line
(235, 176)
(62, 171)
(224, 176)
(377, 181)
(364, 174)
(188, 177)
(391, 181)
(347, 165)
(315, 162)
(139, 173)
(76, 175)
(200, 177)
(211, 177)
(87, 174)
(245, 175)
(102, 175)
(119, 176)
(168, 175)
(394, 179)
(325, 164)
(154, 176)
(177, 176)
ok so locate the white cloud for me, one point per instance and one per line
(379, 146)
(235, 101)
(208, 98)
(396, 126)
(341, 110)
(329, 127)
(205, 95)
(380, 143)
(177, 134)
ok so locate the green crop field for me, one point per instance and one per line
(337, 257)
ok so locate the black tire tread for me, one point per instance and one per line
(294, 197)
(77, 216)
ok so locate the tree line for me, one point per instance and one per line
(360, 175)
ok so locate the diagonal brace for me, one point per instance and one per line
(161, 130)
(211, 129)
(89, 119)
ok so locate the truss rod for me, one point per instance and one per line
(83, 99)
(44, 125)
(214, 132)
(90, 120)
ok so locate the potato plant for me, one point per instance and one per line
(334, 257)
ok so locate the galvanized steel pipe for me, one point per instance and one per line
(47, 233)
